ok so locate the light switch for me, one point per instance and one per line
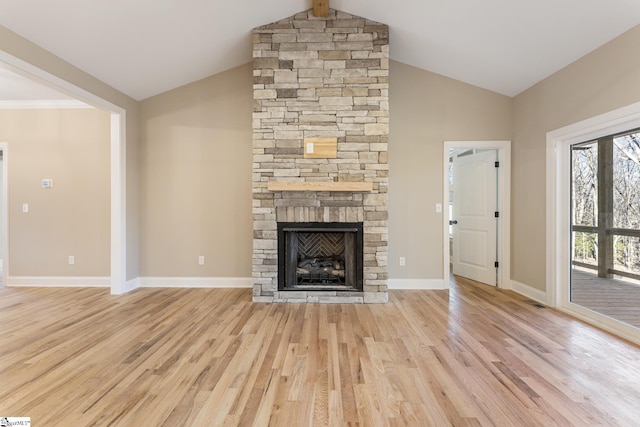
(25, 207)
(310, 148)
(438, 207)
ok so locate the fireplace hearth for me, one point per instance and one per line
(320, 256)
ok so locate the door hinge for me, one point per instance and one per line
(497, 214)
(497, 164)
(495, 264)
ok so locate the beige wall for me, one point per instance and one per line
(195, 178)
(212, 119)
(196, 170)
(604, 80)
(427, 109)
(72, 218)
(24, 50)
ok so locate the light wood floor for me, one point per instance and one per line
(617, 299)
(472, 356)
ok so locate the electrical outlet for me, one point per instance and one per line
(201, 260)
(72, 260)
(403, 261)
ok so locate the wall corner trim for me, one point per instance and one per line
(131, 285)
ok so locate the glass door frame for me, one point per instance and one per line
(558, 211)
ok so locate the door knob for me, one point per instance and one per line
(454, 222)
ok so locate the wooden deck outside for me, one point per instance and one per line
(617, 299)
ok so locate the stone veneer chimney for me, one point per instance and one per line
(320, 77)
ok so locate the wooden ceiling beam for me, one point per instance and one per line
(321, 8)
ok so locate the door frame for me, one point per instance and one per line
(504, 207)
(118, 257)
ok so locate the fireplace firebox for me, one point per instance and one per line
(322, 256)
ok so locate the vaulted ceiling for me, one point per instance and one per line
(146, 47)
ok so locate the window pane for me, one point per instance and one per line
(626, 254)
(584, 172)
(585, 248)
(626, 179)
(593, 283)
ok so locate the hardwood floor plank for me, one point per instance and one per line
(470, 356)
(348, 400)
(267, 409)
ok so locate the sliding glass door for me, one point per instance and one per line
(605, 226)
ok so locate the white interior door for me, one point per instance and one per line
(474, 220)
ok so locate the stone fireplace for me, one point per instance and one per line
(322, 81)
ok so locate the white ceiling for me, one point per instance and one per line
(146, 47)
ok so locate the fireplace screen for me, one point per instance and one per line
(320, 256)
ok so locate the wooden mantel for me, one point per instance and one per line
(321, 8)
(320, 186)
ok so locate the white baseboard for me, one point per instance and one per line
(59, 281)
(138, 282)
(416, 284)
(601, 321)
(194, 282)
(529, 292)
